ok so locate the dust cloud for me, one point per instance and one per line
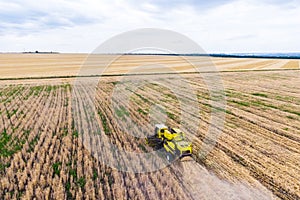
(202, 184)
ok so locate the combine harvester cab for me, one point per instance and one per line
(173, 141)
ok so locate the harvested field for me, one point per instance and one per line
(43, 151)
(52, 65)
(257, 156)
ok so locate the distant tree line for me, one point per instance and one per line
(41, 52)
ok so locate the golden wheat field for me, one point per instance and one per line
(43, 155)
(41, 65)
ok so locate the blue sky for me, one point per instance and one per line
(217, 26)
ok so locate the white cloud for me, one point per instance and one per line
(79, 26)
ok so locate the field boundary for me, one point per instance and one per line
(142, 74)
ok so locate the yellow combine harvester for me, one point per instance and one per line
(172, 140)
